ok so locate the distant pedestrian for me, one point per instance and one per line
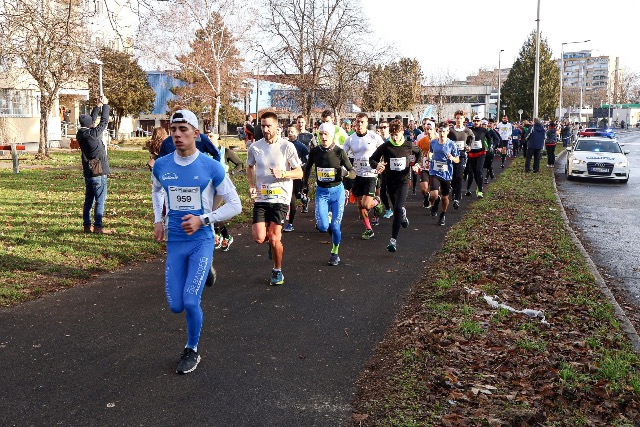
(535, 143)
(550, 144)
(95, 165)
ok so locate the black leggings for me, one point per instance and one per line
(383, 191)
(456, 182)
(551, 154)
(398, 195)
(475, 171)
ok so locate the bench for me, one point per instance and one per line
(14, 154)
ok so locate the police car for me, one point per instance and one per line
(597, 157)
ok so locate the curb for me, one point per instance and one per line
(626, 325)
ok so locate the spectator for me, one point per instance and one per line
(158, 135)
(95, 166)
(550, 144)
(535, 143)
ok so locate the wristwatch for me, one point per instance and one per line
(206, 220)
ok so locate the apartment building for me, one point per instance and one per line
(583, 69)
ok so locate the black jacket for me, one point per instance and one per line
(90, 141)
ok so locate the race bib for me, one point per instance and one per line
(425, 162)
(184, 198)
(476, 145)
(460, 145)
(398, 163)
(361, 164)
(514, 137)
(271, 191)
(326, 174)
(440, 166)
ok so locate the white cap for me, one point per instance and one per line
(328, 128)
(184, 116)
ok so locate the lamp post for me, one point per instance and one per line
(536, 80)
(520, 113)
(499, 73)
(562, 73)
(99, 63)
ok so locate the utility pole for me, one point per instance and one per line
(499, 73)
(536, 82)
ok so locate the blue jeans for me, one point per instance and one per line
(95, 190)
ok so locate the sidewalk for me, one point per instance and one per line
(105, 353)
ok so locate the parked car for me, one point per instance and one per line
(597, 157)
(609, 133)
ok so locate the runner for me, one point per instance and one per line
(505, 130)
(444, 154)
(332, 164)
(308, 140)
(190, 180)
(516, 136)
(360, 145)
(272, 164)
(424, 143)
(477, 154)
(383, 131)
(303, 153)
(463, 137)
(392, 158)
(223, 239)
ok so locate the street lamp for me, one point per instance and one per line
(536, 79)
(562, 72)
(99, 63)
(499, 72)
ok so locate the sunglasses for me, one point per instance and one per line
(476, 120)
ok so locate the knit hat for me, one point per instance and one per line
(328, 128)
(86, 121)
(185, 116)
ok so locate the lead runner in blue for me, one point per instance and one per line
(190, 181)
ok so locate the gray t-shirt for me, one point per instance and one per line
(281, 154)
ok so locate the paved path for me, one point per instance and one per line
(105, 353)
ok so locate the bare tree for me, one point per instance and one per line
(437, 91)
(485, 77)
(301, 37)
(202, 43)
(47, 40)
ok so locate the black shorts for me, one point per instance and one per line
(364, 186)
(270, 212)
(504, 143)
(437, 182)
(424, 176)
(297, 188)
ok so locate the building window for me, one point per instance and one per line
(15, 103)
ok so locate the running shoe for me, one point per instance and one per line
(305, 203)
(405, 221)
(479, 194)
(434, 207)
(188, 361)
(442, 219)
(217, 241)
(277, 278)
(468, 193)
(456, 204)
(375, 220)
(367, 234)
(502, 166)
(378, 209)
(392, 247)
(334, 259)
(288, 227)
(388, 214)
(226, 244)
(211, 277)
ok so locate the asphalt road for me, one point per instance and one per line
(605, 214)
(105, 353)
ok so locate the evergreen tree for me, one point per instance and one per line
(517, 90)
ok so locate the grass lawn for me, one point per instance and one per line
(42, 247)
(451, 359)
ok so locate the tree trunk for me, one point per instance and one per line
(216, 111)
(43, 149)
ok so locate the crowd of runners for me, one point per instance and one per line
(373, 166)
